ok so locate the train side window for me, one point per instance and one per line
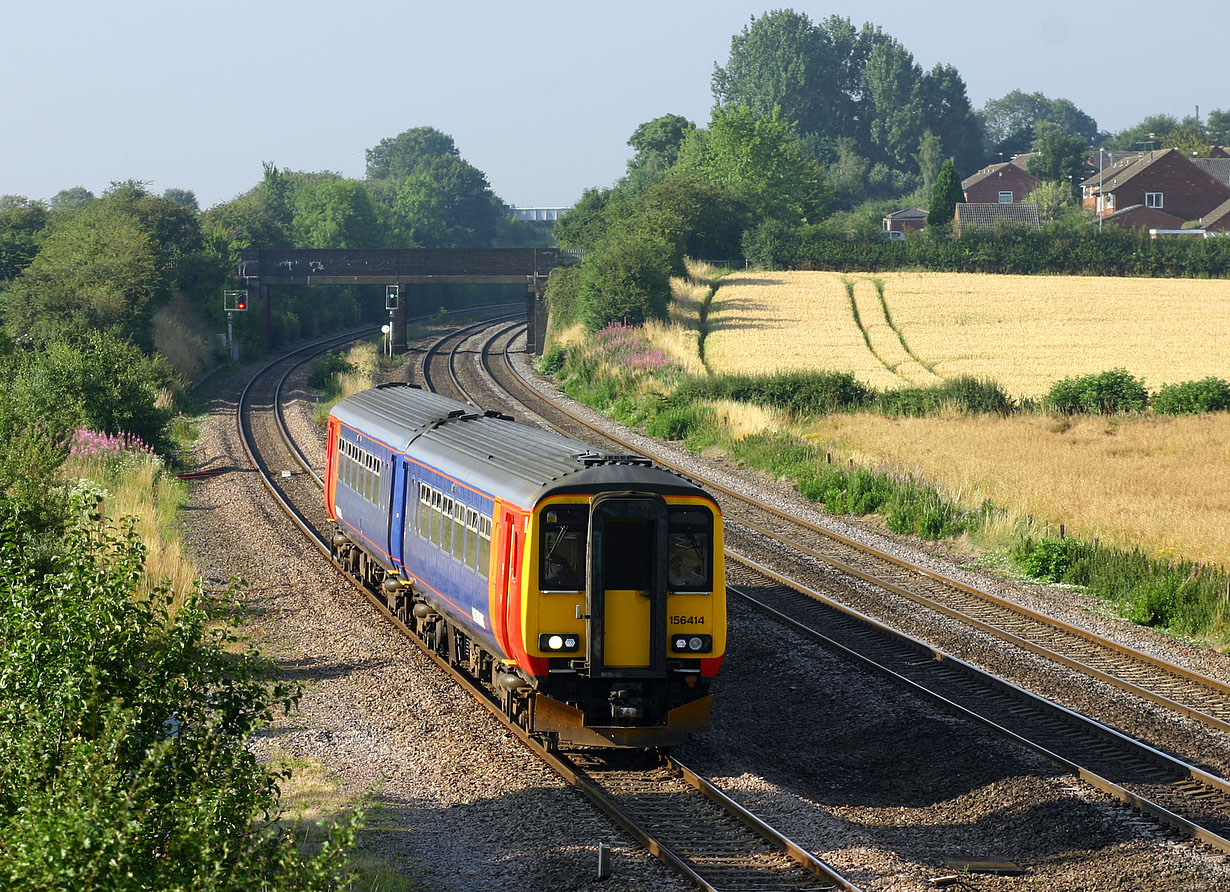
(689, 550)
(436, 496)
(424, 517)
(459, 531)
(446, 524)
(471, 557)
(484, 546)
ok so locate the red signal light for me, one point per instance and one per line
(242, 305)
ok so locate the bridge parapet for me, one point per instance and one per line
(310, 266)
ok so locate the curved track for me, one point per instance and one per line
(671, 810)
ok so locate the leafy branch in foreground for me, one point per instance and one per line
(124, 731)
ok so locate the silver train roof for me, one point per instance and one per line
(494, 454)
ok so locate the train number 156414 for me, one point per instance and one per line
(687, 620)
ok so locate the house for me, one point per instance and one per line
(989, 214)
(906, 219)
(1164, 180)
(1218, 219)
(1003, 183)
(1139, 216)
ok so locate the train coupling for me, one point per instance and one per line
(626, 703)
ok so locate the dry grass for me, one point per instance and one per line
(365, 358)
(1159, 483)
(741, 420)
(141, 490)
(1026, 332)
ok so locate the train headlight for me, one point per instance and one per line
(563, 642)
(692, 644)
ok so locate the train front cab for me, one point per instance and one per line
(624, 616)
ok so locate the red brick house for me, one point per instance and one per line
(1004, 183)
(1218, 219)
(1165, 180)
(906, 219)
(1139, 216)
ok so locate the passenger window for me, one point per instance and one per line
(484, 546)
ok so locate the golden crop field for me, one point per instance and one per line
(1159, 483)
(1025, 332)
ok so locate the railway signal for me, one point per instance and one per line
(233, 302)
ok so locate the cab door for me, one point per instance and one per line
(626, 585)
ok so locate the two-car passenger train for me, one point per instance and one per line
(587, 588)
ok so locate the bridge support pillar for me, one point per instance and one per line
(535, 315)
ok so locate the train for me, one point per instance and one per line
(585, 589)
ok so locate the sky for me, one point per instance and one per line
(540, 95)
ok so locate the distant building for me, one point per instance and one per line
(906, 219)
(1003, 183)
(1165, 181)
(990, 214)
(536, 214)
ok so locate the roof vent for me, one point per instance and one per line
(593, 459)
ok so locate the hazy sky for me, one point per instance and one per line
(540, 95)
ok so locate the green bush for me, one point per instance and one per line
(552, 362)
(625, 279)
(124, 755)
(1052, 560)
(1193, 397)
(800, 393)
(325, 371)
(1102, 394)
(975, 396)
(679, 423)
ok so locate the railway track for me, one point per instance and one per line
(676, 814)
(1175, 793)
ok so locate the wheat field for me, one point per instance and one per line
(1025, 332)
(1159, 483)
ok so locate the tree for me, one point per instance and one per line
(1010, 121)
(780, 61)
(21, 224)
(892, 82)
(1151, 133)
(1053, 198)
(761, 161)
(657, 144)
(72, 199)
(1060, 158)
(930, 158)
(182, 197)
(625, 279)
(97, 381)
(447, 204)
(408, 152)
(947, 114)
(1217, 127)
(97, 271)
(945, 195)
(337, 214)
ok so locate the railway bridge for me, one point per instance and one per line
(265, 267)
